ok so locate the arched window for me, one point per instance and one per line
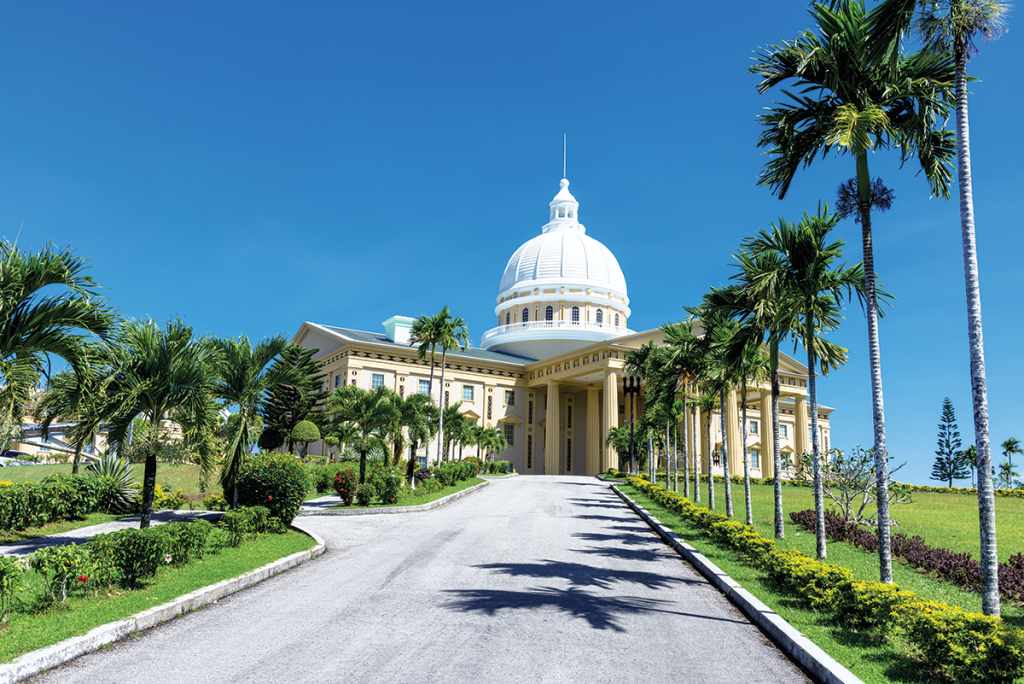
(575, 314)
(549, 314)
(616, 320)
(526, 314)
(599, 317)
(508, 318)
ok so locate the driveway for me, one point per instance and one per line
(532, 579)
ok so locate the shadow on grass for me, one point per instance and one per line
(599, 611)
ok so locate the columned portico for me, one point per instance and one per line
(611, 417)
(552, 434)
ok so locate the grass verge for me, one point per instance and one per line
(27, 630)
(170, 476)
(861, 651)
(10, 536)
(409, 497)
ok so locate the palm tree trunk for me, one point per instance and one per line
(773, 362)
(675, 460)
(696, 469)
(746, 456)
(149, 480)
(819, 492)
(440, 403)
(686, 463)
(711, 474)
(430, 391)
(875, 361)
(979, 392)
(651, 469)
(75, 461)
(725, 454)
(362, 463)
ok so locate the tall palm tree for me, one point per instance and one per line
(1011, 447)
(371, 413)
(853, 98)
(245, 374)
(816, 288)
(425, 334)
(159, 373)
(414, 415)
(78, 399)
(455, 428)
(33, 325)
(708, 402)
(446, 332)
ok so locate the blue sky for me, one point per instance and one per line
(250, 166)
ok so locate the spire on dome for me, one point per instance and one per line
(564, 210)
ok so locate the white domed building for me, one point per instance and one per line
(549, 374)
(560, 291)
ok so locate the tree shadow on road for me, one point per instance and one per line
(627, 538)
(649, 555)
(599, 611)
(582, 575)
(596, 503)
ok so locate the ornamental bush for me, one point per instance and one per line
(388, 485)
(365, 493)
(62, 569)
(245, 523)
(275, 481)
(345, 484)
(137, 554)
(185, 542)
(11, 570)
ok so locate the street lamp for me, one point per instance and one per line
(631, 386)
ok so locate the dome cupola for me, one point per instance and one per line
(561, 290)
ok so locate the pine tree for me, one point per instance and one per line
(950, 463)
(288, 405)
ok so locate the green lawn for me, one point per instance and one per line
(6, 537)
(170, 476)
(860, 651)
(408, 497)
(946, 520)
(27, 631)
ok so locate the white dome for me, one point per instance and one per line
(563, 253)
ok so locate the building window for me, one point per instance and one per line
(376, 381)
(599, 317)
(622, 409)
(337, 381)
(510, 434)
(510, 397)
(616, 320)
(508, 318)
(467, 393)
(755, 459)
(784, 431)
(575, 314)
(526, 314)
(424, 387)
(549, 314)
(753, 427)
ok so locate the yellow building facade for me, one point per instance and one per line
(549, 375)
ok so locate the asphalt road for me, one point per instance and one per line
(531, 579)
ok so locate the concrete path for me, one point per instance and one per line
(82, 534)
(532, 579)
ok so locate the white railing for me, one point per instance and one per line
(551, 325)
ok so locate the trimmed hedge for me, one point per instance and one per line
(57, 497)
(968, 647)
(276, 481)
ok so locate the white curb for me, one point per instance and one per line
(397, 509)
(29, 664)
(801, 649)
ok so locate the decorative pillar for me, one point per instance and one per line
(611, 418)
(693, 436)
(767, 439)
(801, 429)
(735, 433)
(552, 435)
(705, 442)
(593, 431)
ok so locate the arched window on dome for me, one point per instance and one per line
(549, 314)
(616, 320)
(526, 314)
(575, 314)
(599, 318)
(508, 318)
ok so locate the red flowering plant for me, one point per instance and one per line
(345, 484)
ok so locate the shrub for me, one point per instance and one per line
(185, 542)
(365, 493)
(389, 485)
(102, 547)
(214, 502)
(345, 484)
(429, 486)
(275, 481)
(137, 554)
(11, 570)
(117, 490)
(247, 522)
(62, 569)
(322, 476)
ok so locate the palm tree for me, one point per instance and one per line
(415, 416)
(369, 412)
(455, 428)
(707, 402)
(159, 373)
(1011, 447)
(245, 374)
(815, 288)
(77, 399)
(854, 98)
(430, 332)
(33, 325)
